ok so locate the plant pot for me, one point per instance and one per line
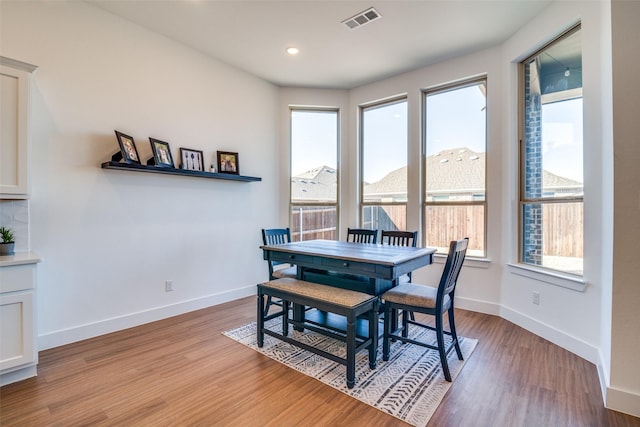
(7, 248)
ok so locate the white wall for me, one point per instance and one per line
(110, 239)
(566, 317)
(624, 391)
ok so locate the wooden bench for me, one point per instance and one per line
(344, 302)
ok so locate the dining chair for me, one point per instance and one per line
(399, 238)
(277, 270)
(362, 235)
(410, 297)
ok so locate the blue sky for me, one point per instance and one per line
(455, 119)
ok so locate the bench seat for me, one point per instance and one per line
(344, 302)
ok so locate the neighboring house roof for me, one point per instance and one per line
(459, 170)
(318, 184)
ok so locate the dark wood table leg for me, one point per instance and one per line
(373, 334)
(351, 350)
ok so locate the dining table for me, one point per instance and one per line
(364, 267)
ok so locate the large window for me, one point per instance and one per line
(314, 174)
(384, 166)
(551, 175)
(455, 204)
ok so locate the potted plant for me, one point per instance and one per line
(7, 247)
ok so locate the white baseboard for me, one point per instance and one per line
(18, 375)
(568, 342)
(478, 306)
(613, 398)
(562, 339)
(82, 332)
(623, 401)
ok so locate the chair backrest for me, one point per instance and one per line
(399, 238)
(276, 236)
(449, 279)
(362, 235)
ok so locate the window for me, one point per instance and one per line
(551, 174)
(455, 203)
(314, 174)
(383, 183)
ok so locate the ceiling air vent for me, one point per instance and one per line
(362, 18)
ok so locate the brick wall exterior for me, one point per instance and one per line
(532, 215)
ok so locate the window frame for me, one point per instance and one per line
(361, 110)
(306, 204)
(523, 201)
(460, 84)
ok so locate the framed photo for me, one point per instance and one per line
(228, 162)
(192, 160)
(128, 148)
(161, 153)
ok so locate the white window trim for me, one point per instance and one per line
(468, 261)
(575, 283)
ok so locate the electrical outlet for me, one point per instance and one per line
(168, 286)
(536, 298)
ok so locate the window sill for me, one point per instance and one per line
(468, 261)
(558, 279)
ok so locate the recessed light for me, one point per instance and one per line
(292, 50)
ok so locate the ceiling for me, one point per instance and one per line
(253, 35)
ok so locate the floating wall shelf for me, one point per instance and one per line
(173, 171)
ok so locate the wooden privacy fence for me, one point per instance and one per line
(313, 222)
(563, 225)
(563, 229)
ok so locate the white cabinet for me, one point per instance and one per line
(15, 81)
(19, 350)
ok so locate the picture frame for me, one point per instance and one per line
(128, 148)
(192, 159)
(228, 162)
(161, 153)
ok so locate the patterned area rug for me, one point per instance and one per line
(409, 386)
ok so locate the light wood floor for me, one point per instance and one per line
(183, 372)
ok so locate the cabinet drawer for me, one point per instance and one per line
(304, 260)
(17, 277)
(347, 266)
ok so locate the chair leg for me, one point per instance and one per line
(351, 351)
(405, 323)
(373, 335)
(454, 335)
(441, 348)
(285, 318)
(260, 317)
(386, 337)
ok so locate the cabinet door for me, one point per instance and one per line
(14, 94)
(16, 330)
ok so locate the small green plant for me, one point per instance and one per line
(7, 235)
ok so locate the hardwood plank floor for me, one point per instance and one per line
(183, 372)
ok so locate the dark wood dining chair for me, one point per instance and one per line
(362, 235)
(410, 297)
(399, 238)
(277, 270)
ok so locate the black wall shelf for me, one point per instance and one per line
(173, 171)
